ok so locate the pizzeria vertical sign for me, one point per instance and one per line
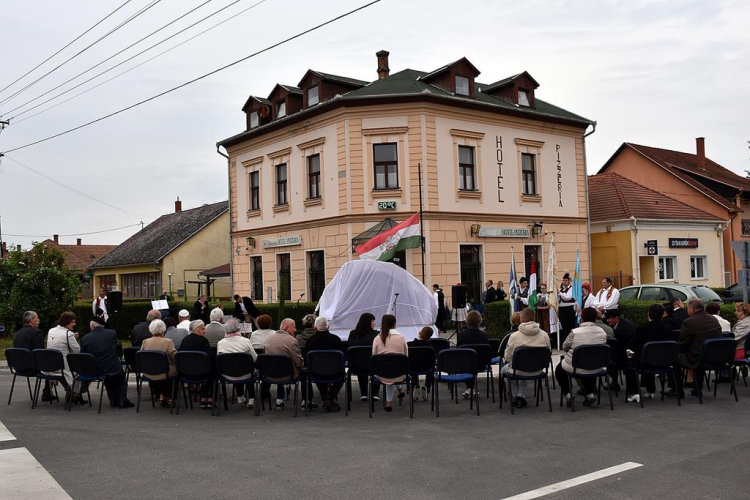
(559, 176)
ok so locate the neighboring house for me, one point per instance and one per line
(327, 163)
(169, 254)
(639, 235)
(79, 257)
(696, 181)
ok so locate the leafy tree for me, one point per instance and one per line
(36, 280)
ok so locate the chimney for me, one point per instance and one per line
(177, 205)
(78, 242)
(383, 69)
(55, 237)
(700, 146)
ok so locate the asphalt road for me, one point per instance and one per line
(693, 451)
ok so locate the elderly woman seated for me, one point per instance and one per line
(308, 329)
(157, 342)
(197, 341)
(259, 336)
(234, 342)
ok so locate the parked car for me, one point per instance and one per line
(732, 293)
(666, 292)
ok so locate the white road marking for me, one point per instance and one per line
(22, 477)
(5, 434)
(576, 481)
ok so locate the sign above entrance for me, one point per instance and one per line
(286, 241)
(683, 242)
(386, 205)
(504, 232)
(652, 247)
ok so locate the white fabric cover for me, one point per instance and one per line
(370, 286)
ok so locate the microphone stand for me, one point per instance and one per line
(297, 303)
(395, 298)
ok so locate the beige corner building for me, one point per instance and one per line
(326, 164)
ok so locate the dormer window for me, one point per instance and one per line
(253, 119)
(462, 85)
(523, 98)
(313, 96)
(281, 109)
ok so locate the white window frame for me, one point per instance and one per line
(468, 85)
(525, 101)
(280, 109)
(254, 119)
(317, 96)
(705, 267)
(675, 269)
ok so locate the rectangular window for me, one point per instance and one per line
(312, 96)
(466, 178)
(281, 109)
(283, 264)
(745, 227)
(523, 98)
(386, 166)
(141, 285)
(698, 267)
(528, 174)
(462, 85)
(108, 282)
(316, 265)
(254, 190)
(667, 268)
(281, 198)
(257, 277)
(313, 176)
(253, 119)
(471, 272)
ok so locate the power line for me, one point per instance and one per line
(138, 65)
(270, 47)
(60, 183)
(68, 45)
(102, 62)
(74, 234)
(131, 18)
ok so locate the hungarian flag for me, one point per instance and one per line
(532, 286)
(386, 244)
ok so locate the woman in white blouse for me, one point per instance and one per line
(62, 338)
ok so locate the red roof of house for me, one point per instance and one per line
(613, 197)
(79, 257)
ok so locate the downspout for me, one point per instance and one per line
(586, 187)
(636, 262)
(229, 202)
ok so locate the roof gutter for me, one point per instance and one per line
(588, 210)
(636, 262)
(229, 204)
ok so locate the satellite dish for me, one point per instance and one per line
(263, 111)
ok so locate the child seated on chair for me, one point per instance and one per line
(422, 340)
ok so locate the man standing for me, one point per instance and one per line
(608, 297)
(522, 298)
(623, 330)
(102, 343)
(215, 330)
(489, 295)
(283, 344)
(201, 309)
(183, 319)
(245, 310)
(141, 331)
(566, 305)
(439, 296)
(694, 330)
(324, 340)
(29, 336)
(100, 303)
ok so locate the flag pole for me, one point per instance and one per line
(421, 222)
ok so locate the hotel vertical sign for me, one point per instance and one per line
(499, 158)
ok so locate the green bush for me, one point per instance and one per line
(497, 318)
(637, 311)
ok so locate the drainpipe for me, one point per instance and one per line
(636, 258)
(229, 194)
(586, 187)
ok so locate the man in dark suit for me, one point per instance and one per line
(623, 330)
(29, 336)
(141, 331)
(695, 329)
(102, 343)
(490, 294)
(679, 313)
(245, 310)
(201, 310)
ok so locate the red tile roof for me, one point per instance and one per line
(78, 257)
(613, 197)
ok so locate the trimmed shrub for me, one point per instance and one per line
(637, 311)
(497, 318)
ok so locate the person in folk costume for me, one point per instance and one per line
(566, 307)
(543, 308)
(522, 297)
(608, 297)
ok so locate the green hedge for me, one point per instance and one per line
(637, 311)
(497, 318)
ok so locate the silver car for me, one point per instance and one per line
(663, 292)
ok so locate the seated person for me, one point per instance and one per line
(157, 342)
(655, 330)
(586, 334)
(259, 336)
(282, 343)
(528, 335)
(215, 330)
(234, 342)
(308, 329)
(422, 340)
(364, 334)
(390, 341)
(698, 327)
(176, 335)
(197, 341)
(102, 343)
(623, 330)
(714, 310)
(472, 335)
(325, 340)
(142, 331)
(741, 328)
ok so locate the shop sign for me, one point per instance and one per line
(386, 205)
(683, 242)
(652, 247)
(286, 241)
(504, 232)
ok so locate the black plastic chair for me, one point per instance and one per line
(496, 354)
(529, 360)
(152, 366)
(484, 364)
(658, 358)
(716, 354)
(358, 364)
(454, 366)
(236, 368)
(21, 364)
(194, 367)
(48, 360)
(614, 367)
(275, 369)
(325, 367)
(421, 362)
(590, 357)
(727, 335)
(128, 355)
(741, 364)
(389, 366)
(84, 368)
(439, 345)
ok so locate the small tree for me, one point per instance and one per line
(36, 280)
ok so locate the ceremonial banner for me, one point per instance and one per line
(386, 244)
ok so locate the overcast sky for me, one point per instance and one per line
(654, 72)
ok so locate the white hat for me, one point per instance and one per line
(183, 313)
